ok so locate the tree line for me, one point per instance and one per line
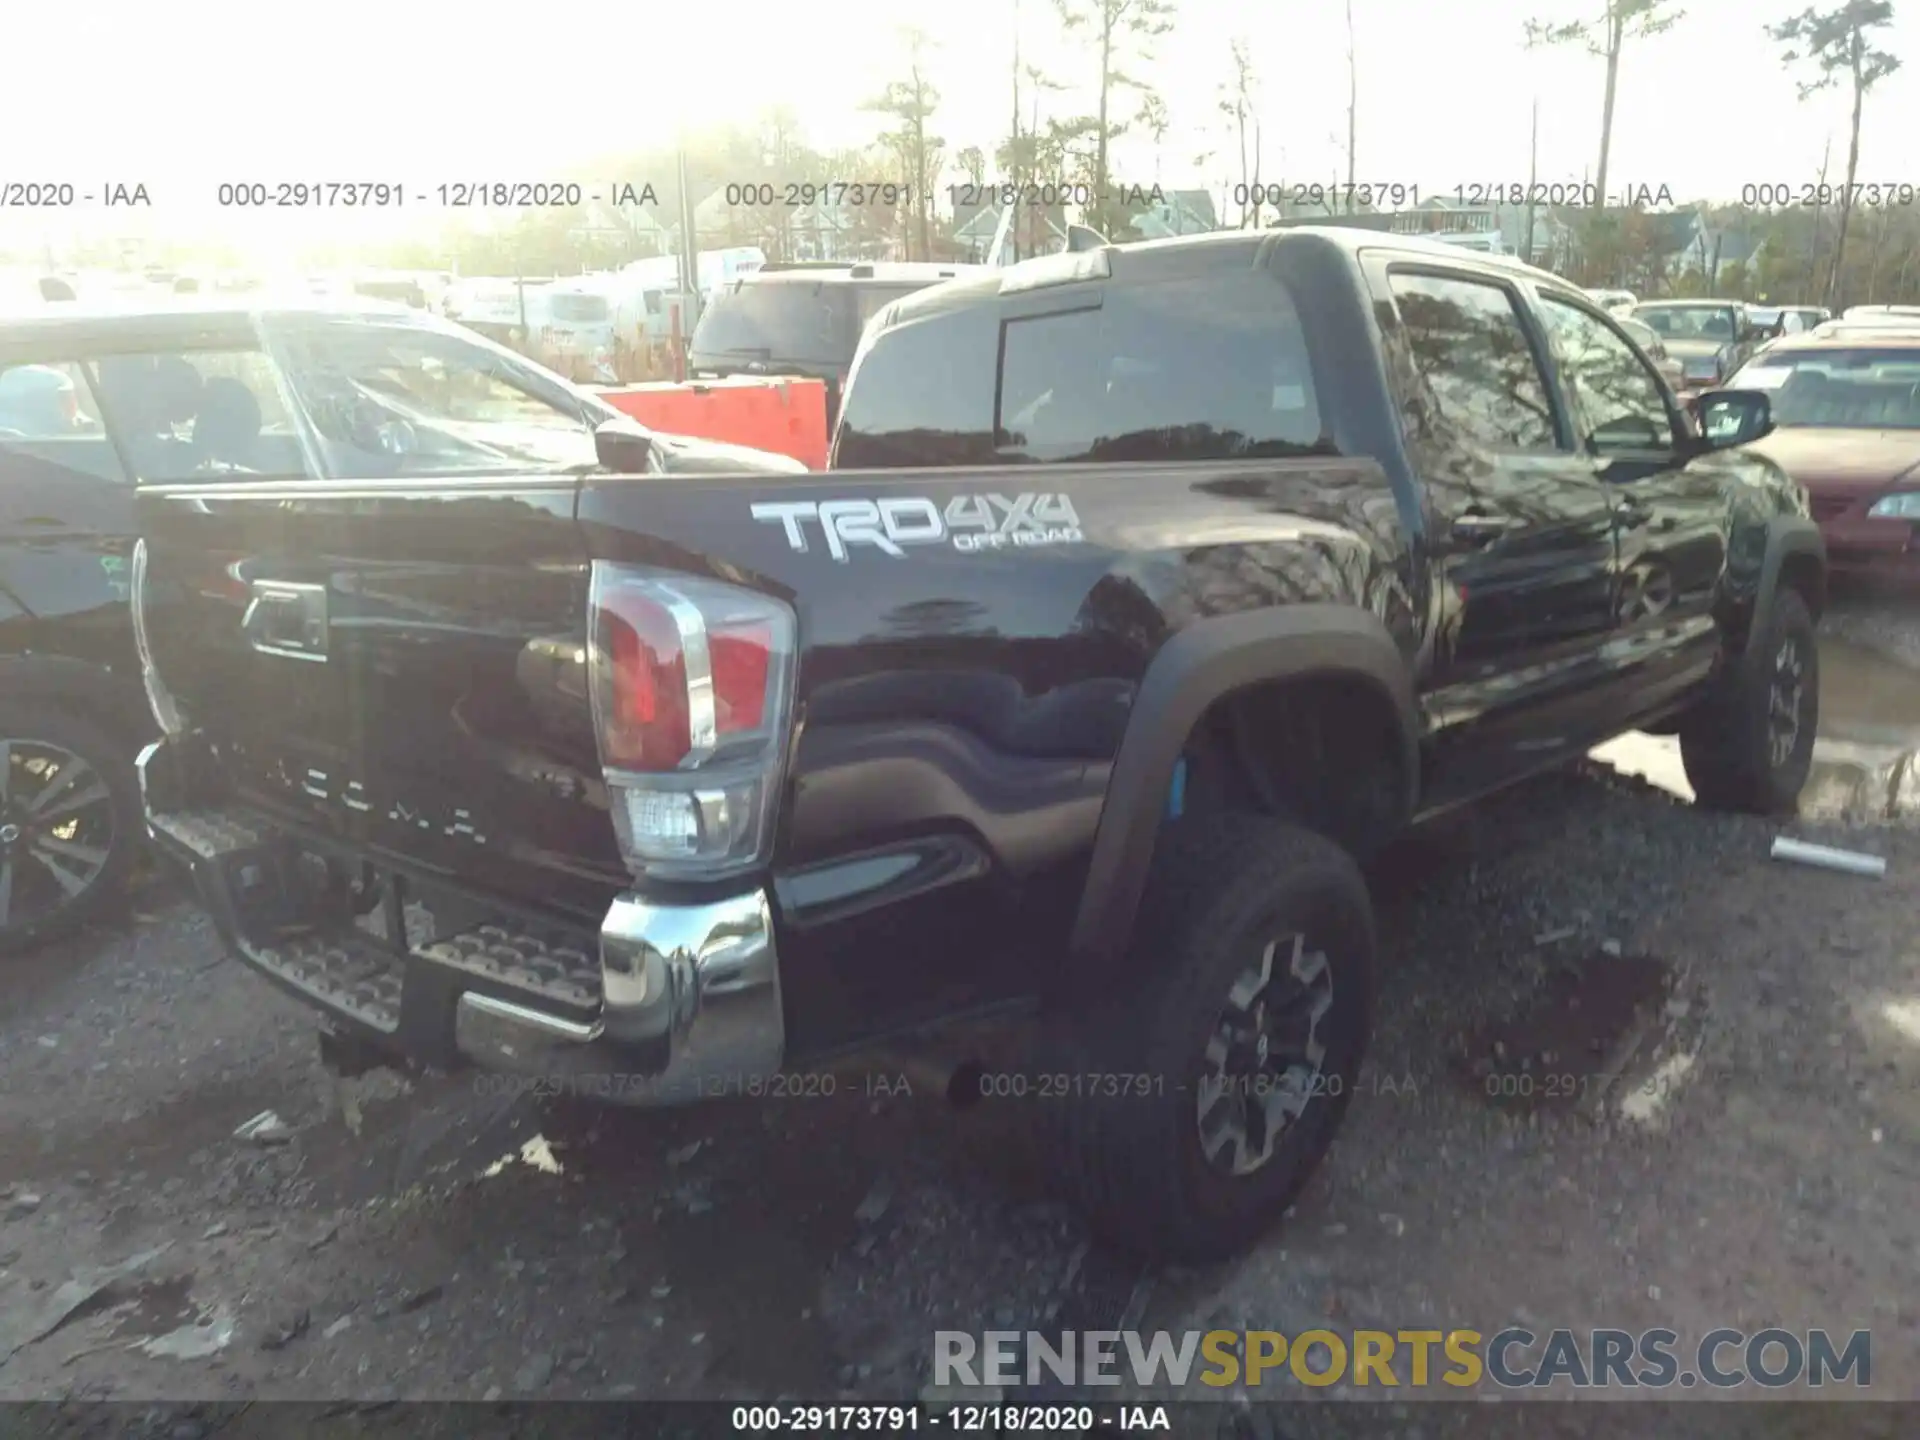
(1832, 253)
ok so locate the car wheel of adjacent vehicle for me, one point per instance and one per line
(1197, 1092)
(69, 823)
(1751, 748)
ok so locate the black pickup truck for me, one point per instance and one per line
(1152, 588)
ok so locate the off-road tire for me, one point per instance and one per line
(1121, 1107)
(1727, 743)
(111, 759)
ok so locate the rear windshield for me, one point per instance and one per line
(579, 309)
(1203, 368)
(1689, 322)
(782, 321)
(1876, 388)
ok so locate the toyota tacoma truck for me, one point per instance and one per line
(1151, 589)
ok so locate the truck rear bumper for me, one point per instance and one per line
(667, 1003)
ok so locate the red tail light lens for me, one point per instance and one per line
(740, 664)
(647, 728)
(692, 684)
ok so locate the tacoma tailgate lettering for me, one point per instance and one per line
(970, 523)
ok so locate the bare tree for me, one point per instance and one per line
(1124, 31)
(1013, 153)
(1353, 109)
(1819, 218)
(1237, 102)
(1836, 43)
(1605, 38)
(911, 103)
(972, 161)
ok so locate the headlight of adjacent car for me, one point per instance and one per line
(1897, 507)
(1707, 369)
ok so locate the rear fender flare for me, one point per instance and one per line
(1194, 669)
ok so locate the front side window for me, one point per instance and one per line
(194, 415)
(1620, 404)
(1477, 378)
(398, 400)
(1205, 368)
(50, 423)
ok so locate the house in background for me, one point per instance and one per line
(831, 229)
(824, 230)
(1043, 231)
(1181, 212)
(1711, 249)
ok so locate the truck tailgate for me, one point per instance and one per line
(399, 667)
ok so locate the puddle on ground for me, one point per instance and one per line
(1574, 1039)
(1866, 761)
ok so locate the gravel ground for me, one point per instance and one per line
(1741, 1146)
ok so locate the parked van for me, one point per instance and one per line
(574, 333)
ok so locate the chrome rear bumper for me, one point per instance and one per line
(668, 1003)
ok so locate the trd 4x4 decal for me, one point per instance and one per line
(969, 523)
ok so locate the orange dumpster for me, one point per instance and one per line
(786, 416)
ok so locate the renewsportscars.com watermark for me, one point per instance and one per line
(1514, 1358)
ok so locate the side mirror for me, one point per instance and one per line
(1733, 417)
(622, 447)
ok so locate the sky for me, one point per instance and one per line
(183, 96)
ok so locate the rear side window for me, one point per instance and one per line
(784, 320)
(1201, 368)
(50, 424)
(921, 394)
(1476, 379)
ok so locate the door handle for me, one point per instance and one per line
(1477, 528)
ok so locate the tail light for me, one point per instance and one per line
(692, 685)
(166, 712)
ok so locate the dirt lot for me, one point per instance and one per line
(1628, 1071)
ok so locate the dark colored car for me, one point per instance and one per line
(803, 319)
(1846, 407)
(1710, 338)
(1153, 585)
(93, 400)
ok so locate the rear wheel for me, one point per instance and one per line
(1199, 1094)
(1750, 747)
(69, 823)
